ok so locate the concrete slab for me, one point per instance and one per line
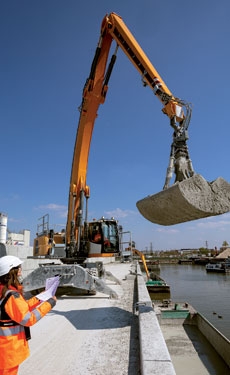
(88, 334)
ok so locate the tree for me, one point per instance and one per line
(225, 243)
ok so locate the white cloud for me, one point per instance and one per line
(60, 210)
(213, 224)
(167, 230)
(118, 213)
(12, 220)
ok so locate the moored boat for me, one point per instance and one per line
(156, 284)
(215, 267)
(227, 265)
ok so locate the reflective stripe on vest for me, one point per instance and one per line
(28, 315)
(9, 331)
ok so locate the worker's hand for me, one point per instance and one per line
(55, 298)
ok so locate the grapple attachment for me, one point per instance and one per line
(190, 199)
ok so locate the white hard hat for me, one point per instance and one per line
(7, 263)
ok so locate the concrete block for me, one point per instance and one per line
(191, 199)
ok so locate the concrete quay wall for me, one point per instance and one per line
(154, 355)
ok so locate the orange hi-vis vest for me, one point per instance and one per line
(16, 314)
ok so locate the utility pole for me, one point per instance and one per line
(151, 248)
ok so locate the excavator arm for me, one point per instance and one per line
(118, 31)
(94, 94)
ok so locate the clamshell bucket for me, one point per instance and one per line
(190, 199)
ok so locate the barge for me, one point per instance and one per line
(194, 344)
(156, 284)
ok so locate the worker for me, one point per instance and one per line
(16, 315)
(97, 238)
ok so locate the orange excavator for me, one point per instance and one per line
(179, 203)
(190, 197)
(78, 238)
(94, 94)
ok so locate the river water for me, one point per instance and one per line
(208, 293)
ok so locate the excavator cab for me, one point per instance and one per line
(103, 238)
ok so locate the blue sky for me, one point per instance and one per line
(46, 52)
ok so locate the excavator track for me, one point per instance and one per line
(191, 199)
